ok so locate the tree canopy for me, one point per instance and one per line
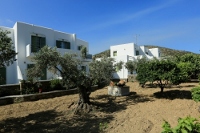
(131, 66)
(192, 62)
(7, 52)
(160, 71)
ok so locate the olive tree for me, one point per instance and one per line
(7, 52)
(131, 66)
(68, 66)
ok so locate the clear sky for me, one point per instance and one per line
(169, 23)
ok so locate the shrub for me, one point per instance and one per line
(196, 94)
(56, 84)
(185, 125)
(28, 87)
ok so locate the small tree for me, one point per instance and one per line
(101, 70)
(160, 71)
(186, 70)
(119, 65)
(83, 52)
(131, 66)
(7, 52)
(70, 70)
(194, 61)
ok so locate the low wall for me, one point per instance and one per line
(34, 97)
(12, 89)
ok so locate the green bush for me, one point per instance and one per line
(185, 125)
(196, 94)
(29, 87)
(56, 84)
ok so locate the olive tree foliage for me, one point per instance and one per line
(7, 52)
(160, 71)
(118, 65)
(83, 52)
(131, 66)
(68, 66)
(101, 70)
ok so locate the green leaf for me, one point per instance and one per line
(184, 131)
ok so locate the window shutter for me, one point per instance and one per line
(58, 44)
(42, 42)
(34, 44)
(67, 45)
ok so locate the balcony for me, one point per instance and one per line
(89, 56)
(29, 54)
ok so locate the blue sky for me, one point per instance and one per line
(168, 23)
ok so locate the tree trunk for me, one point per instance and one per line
(84, 94)
(83, 104)
(161, 89)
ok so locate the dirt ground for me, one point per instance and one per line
(140, 112)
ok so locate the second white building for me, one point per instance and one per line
(130, 51)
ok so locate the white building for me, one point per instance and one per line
(130, 51)
(29, 38)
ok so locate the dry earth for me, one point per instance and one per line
(140, 112)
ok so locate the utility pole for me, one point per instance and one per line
(136, 37)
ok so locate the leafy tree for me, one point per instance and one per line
(7, 52)
(83, 52)
(142, 65)
(160, 71)
(131, 66)
(101, 70)
(119, 65)
(194, 60)
(69, 68)
(186, 69)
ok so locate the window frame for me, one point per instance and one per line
(114, 53)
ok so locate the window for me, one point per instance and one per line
(146, 52)
(114, 53)
(83, 68)
(44, 71)
(63, 44)
(2, 75)
(137, 52)
(37, 43)
(79, 47)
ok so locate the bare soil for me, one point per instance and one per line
(143, 111)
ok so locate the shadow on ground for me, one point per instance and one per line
(173, 94)
(169, 86)
(53, 122)
(110, 104)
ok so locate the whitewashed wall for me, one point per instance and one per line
(126, 52)
(21, 36)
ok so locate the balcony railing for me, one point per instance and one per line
(89, 56)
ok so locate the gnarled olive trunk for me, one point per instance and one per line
(161, 89)
(84, 100)
(84, 94)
